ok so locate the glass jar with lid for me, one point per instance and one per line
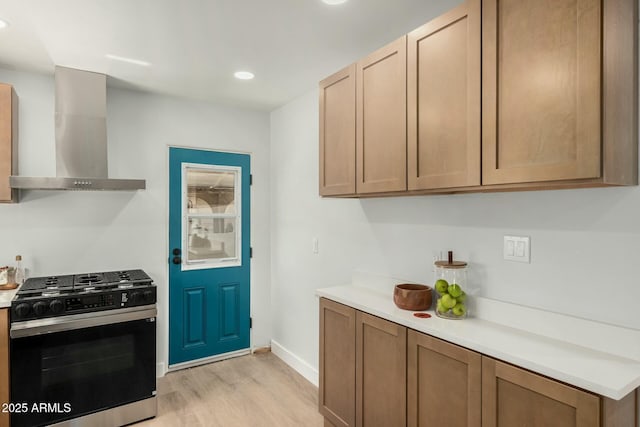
(452, 288)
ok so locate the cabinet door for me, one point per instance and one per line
(381, 115)
(443, 383)
(443, 94)
(381, 372)
(541, 79)
(514, 397)
(8, 141)
(4, 364)
(338, 133)
(337, 394)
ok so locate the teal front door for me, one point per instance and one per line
(209, 271)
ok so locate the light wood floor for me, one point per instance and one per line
(253, 390)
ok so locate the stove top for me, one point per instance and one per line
(73, 284)
(70, 294)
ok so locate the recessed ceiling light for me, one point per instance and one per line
(334, 2)
(128, 60)
(3, 24)
(243, 75)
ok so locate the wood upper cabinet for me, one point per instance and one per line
(381, 372)
(337, 392)
(514, 397)
(381, 120)
(8, 141)
(443, 95)
(542, 91)
(443, 383)
(491, 96)
(338, 133)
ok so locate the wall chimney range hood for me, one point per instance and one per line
(81, 137)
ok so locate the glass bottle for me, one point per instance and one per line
(19, 271)
(451, 288)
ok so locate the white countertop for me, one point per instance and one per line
(7, 296)
(526, 337)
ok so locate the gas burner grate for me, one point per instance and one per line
(89, 278)
(51, 293)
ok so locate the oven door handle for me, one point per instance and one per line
(79, 321)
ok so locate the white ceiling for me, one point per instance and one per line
(195, 46)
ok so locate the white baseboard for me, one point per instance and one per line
(160, 370)
(302, 367)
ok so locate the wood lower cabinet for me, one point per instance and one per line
(514, 397)
(381, 372)
(363, 368)
(381, 120)
(338, 133)
(443, 100)
(374, 372)
(443, 383)
(337, 391)
(8, 141)
(4, 364)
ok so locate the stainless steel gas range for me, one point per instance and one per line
(83, 350)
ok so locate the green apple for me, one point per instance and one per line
(454, 290)
(441, 286)
(462, 297)
(448, 301)
(459, 309)
(441, 308)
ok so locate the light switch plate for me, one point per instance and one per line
(517, 248)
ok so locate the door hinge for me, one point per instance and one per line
(250, 252)
(251, 179)
(250, 322)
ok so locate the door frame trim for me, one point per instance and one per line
(210, 359)
(162, 366)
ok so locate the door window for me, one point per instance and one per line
(211, 209)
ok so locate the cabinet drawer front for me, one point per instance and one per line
(443, 95)
(337, 363)
(443, 383)
(381, 372)
(541, 92)
(513, 396)
(338, 133)
(381, 120)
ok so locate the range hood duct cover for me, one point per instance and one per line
(81, 137)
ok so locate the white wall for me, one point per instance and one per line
(585, 244)
(74, 232)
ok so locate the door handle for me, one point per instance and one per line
(177, 260)
(176, 251)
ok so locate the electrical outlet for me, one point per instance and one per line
(517, 248)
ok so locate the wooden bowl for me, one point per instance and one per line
(408, 296)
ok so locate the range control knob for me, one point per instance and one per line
(40, 308)
(135, 297)
(147, 297)
(22, 310)
(56, 306)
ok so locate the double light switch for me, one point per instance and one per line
(517, 248)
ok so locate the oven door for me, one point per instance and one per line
(70, 366)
